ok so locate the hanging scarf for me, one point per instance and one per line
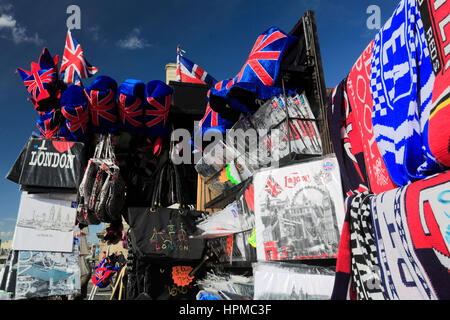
(364, 263)
(411, 232)
(402, 82)
(346, 141)
(361, 102)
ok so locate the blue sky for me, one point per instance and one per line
(136, 39)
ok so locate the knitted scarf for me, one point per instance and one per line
(401, 82)
(411, 231)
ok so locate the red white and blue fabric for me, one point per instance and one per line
(411, 226)
(49, 125)
(346, 141)
(41, 79)
(131, 103)
(190, 72)
(272, 187)
(74, 66)
(402, 84)
(103, 273)
(159, 100)
(103, 108)
(75, 109)
(260, 74)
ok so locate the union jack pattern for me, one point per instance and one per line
(74, 65)
(41, 77)
(273, 187)
(188, 71)
(262, 65)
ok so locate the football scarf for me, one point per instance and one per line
(364, 263)
(361, 105)
(40, 81)
(411, 232)
(343, 288)
(159, 100)
(75, 109)
(346, 141)
(401, 83)
(259, 77)
(435, 19)
(131, 104)
(103, 109)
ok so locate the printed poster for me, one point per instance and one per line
(45, 223)
(299, 211)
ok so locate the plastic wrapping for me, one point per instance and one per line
(43, 274)
(284, 281)
(299, 211)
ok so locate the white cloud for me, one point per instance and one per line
(133, 41)
(19, 33)
(6, 235)
(7, 21)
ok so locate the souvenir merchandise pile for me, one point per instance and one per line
(300, 197)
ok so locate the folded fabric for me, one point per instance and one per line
(159, 100)
(412, 238)
(361, 106)
(75, 109)
(401, 82)
(131, 104)
(103, 109)
(40, 81)
(259, 78)
(346, 141)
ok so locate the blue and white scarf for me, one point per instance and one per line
(402, 83)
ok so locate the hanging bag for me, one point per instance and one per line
(161, 232)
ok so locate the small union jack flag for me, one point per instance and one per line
(273, 187)
(159, 100)
(188, 71)
(103, 108)
(74, 66)
(131, 105)
(41, 78)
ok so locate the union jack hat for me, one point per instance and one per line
(131, 103)
(41, 80)
(159, 100)
(75, 109)
(103, 108)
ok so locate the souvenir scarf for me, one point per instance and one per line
(401, 83)
(361, 104)
(346, 140)
(364, 263)
(411, 232)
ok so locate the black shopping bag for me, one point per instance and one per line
(52, 163)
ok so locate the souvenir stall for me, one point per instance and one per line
(283, 193)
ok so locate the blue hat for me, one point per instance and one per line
(131, 103)
(103, 109)
(159, 100)
(75, 109)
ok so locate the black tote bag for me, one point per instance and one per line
(161, 232)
